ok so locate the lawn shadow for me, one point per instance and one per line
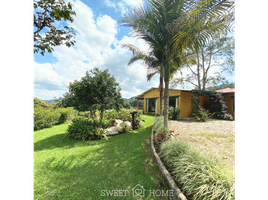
(114, 164)
(60, 141)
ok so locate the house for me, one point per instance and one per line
(182, 100)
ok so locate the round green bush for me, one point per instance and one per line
(82, 130)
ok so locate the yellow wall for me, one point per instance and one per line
(184, 101)
(185, 104)
(154, 93)
(229, 101)
(202, 100)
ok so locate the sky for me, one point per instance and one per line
(98, 44)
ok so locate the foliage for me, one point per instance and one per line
(125, 105)
(174, 112)
(122, 114)
(202, 176)
(199, 113)
(98, 90)
(82, 130)
(220, 107)
(100, 133)
(65, 114)
(218, 52)
(127, 129)
(159, 127)
(77, 118)
(44, 118)
(47, 13)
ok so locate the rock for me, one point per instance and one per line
(113, 130)
(118, 122)
(126, 123)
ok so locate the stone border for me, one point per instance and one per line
(177, 194)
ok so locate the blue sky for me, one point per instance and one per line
(98, 44)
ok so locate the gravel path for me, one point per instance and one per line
(211, 126)
(216, 137)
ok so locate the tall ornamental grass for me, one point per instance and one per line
(202, 176)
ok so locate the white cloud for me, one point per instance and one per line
(109, 3)
(94, 40)
(45, 75)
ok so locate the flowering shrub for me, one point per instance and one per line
(163, 137)
(220, 107)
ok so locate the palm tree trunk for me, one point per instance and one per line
(166, 103)
(161, 95)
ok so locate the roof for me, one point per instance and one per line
(141, 96)
(226, 90)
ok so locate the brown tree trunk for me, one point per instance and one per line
(160, 89)
(166, 103)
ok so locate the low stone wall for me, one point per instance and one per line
(177, 194)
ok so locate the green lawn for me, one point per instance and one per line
(68, 169)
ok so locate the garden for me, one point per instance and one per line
(65, 168)
(201, 162)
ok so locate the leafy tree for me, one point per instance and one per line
(46, 14)
(218, 52)
(97, 90)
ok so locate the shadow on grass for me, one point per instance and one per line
(113, 164)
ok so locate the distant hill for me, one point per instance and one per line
(50, 101)
(129, 100)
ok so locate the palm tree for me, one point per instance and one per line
(154, 61)
(171, 26)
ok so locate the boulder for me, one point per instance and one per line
(126, 123)
(113, 130)
(118, 122)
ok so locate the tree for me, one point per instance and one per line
(97, 90)
(172, 26)
(219, 52)
(46, 14)
(154, 61)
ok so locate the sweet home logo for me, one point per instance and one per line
(137, 191)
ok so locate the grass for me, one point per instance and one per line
(68, 169)
(202, 177)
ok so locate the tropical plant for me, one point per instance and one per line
(82, 130)
(171, 26)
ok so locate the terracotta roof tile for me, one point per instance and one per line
(226, 90)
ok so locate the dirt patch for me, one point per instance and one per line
(216, 137)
